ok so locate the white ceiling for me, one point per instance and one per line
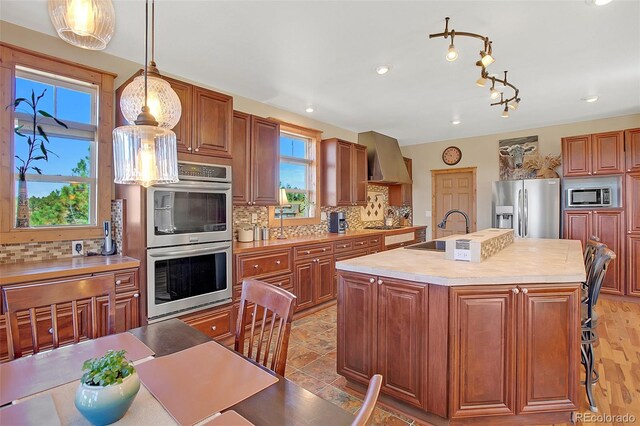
(292, 54)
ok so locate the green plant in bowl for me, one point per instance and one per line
(107, 388)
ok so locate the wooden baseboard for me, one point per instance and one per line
(621, 298)
(314, 309)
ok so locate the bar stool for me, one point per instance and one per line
(597, 272)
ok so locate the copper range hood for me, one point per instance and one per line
(386, 165)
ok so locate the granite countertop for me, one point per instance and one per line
(321, 238)
(13, 273)
(526, 261)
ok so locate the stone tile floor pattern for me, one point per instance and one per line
(311, 363)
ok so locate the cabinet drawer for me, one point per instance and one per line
(264, 264)
(126, 281)
(213, 324)
(360, 243)
(311, 251)
(375, 241)
(340, 246)
(351, 255)
(282, 281)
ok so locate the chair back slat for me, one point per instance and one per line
(601, 261)
(30, 297)
(277, 305)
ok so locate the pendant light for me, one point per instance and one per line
(162, 100)
(84, 23)
(145, 154)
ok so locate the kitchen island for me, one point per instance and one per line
(458, 342)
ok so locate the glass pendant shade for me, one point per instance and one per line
(163, 102)
(84, 23)
(452, 53)
(145, 155)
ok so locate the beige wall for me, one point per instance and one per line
(482, 152)
(39, 42)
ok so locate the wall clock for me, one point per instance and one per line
(451, 155)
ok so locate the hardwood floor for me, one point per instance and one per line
(312, 364)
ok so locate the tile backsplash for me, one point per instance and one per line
(50, 250)
(355, 216)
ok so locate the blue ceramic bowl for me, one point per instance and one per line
(103, 405)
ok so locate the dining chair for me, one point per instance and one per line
(277, 306)
(592, 246)
(30, 297)
(370, 399)
(602, 257)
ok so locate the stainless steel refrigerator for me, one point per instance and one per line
(530, 206)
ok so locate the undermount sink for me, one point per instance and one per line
(428, 246)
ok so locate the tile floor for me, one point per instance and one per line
(311, 363)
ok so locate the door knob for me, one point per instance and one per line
(515, 290)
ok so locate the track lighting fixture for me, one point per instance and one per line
(486, 59)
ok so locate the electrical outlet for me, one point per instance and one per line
(77, 248)
(323, 216)
(254, 217)
(427, 213)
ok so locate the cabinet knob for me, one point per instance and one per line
(324, 249)
(256, 266)
(307, 252)
(525, 291)
(380, 282)
(248, 203)
(590, 173)
(136, 295)
(214, 327)
(595, 173)
(372, 280)
(118, 282)
(278, 262)
(197, 149)
(188, 148)
(51, 330)
(628, 170)
(515, 290)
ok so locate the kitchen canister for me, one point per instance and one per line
(256, 233)
(245, 235)
(265, 233)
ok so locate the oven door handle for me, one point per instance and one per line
(183, 253)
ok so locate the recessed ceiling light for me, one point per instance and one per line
(383, 69)
(601, 2)
(590, 99)
(456, 121)
(309, 109)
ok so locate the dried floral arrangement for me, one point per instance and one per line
(545, 166)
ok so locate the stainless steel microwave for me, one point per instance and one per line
(589, 197)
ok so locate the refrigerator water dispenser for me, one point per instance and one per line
(504, 217)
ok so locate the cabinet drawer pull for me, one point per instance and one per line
(278, 262)
(372, 280)
(515, 290)
(343, 246)
(525, 291)
(214, 327)
(118, 282)
(136, 295)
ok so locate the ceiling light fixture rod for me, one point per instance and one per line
(446, 33)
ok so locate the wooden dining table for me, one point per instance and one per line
(282, 403)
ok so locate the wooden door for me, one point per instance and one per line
(577, 226)
(548, 348)
(344, 173)
(482, 351)
(359, 177)
(324, 279)
(402, 334)
(608, 153)
(265, 161)
(609, 227)
(356, 357)
(183, 128)
(453, 189)
(633, 266)
(212, 123)
(633, 202)
(241, 153)
(576, 156)
(303, 284)
(632, 149)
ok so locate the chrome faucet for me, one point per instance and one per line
(443, 224)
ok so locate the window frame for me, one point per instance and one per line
(12, 59)
(313, 185)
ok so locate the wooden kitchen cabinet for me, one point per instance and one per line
(313, 281)
(256, 167)
(521, 342)
(633, 202)
(632, 150)
(597, 154)
(608, 225)
(402, 195)
(217, 323)
(344, 177)
(633, 265)
(183, 128)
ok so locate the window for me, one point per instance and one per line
(299, 175)
(62, 191)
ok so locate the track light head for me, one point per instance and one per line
(452, 53)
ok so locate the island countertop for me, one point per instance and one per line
(526, 261)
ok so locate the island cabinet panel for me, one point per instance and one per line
(402, 336)
(548, 348)
(357, 314)
(483, 351)
(633, 267)
(632, 149)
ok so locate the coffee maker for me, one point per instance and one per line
(338, 222)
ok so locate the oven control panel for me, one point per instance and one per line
(206, 172)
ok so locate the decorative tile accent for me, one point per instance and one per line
(375, 208)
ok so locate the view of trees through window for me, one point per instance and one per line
(295, 169)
